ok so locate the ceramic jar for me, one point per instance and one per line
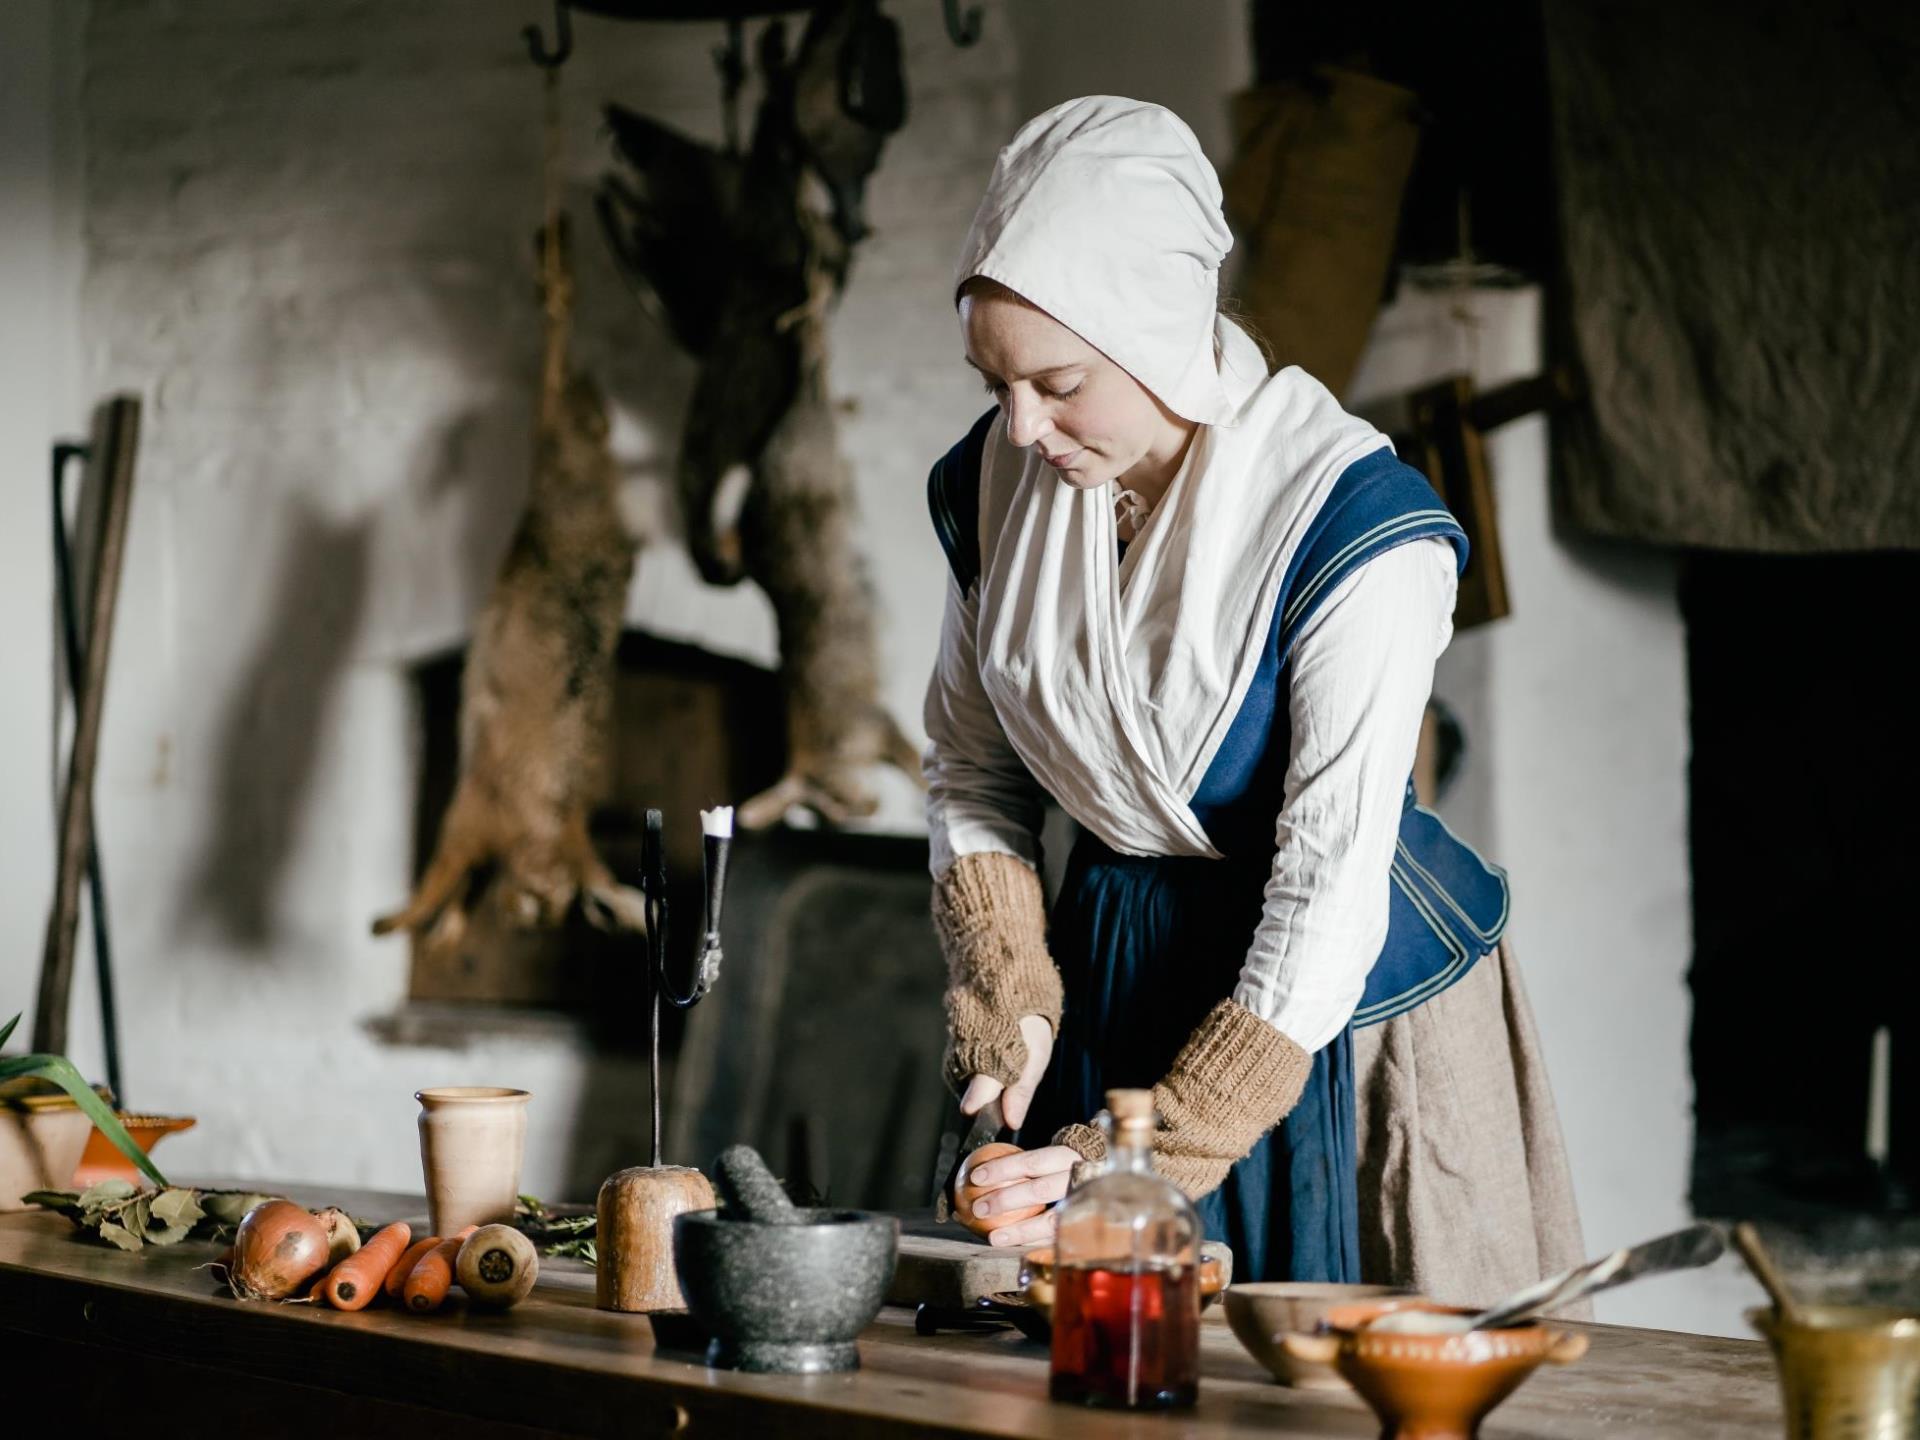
(472, 1138)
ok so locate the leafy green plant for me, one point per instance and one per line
(60, 1071)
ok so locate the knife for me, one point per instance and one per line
(982, 1128)
(1700, 1244)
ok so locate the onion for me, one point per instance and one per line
(343, 1236)
(497, 1266)
(278, 1248)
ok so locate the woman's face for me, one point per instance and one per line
(1089, 419)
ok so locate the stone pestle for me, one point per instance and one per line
(749, 1190)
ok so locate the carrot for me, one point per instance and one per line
(352, 1284)
(403, 1267)
(432, 1274)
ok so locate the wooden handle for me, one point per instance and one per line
(1746, 1240)
(1314, 1349)
(1567, 1349)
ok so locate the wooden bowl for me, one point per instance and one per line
(1263, 1313)
(1432, 1387)
(101, 1161)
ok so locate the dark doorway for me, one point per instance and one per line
(1805, 714)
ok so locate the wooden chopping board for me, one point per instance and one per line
(948, 1265)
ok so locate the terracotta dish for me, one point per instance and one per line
(1432, 1387)
(100, 1161)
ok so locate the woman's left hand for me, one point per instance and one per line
(1019, 1182)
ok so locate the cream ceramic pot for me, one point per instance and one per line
(472, 1138)
(40, 1144)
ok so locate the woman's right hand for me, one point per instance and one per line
(1038, 1036)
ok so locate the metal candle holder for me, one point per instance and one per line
(716, 840)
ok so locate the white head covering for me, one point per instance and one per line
(1105, 214)
(1116, 681)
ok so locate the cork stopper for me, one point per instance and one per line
(1132, 1112)
(1125, 1105)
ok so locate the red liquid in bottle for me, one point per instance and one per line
(1129, 1339)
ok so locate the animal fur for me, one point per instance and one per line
(536, 694)
(746, 277)
(796, 540)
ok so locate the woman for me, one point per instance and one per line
(1199, 607)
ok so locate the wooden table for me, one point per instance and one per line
(93, 1336)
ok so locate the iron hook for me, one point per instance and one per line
(563, 32)
(963, 30)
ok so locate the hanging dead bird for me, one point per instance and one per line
(746, 274)
(536, 693)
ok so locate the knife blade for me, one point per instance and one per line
(1699, 1244)
(982, 1128)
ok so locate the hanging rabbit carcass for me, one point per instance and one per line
(536, 691)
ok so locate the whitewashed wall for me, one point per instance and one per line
(39, 311)
(303, 234)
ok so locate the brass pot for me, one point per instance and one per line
(1847, 1372)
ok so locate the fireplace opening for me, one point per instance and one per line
(1804, 798)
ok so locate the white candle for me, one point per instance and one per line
(717, 822)
(1877, 1086)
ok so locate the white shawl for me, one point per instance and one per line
(1116, 682)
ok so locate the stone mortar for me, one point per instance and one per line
(786, 1298)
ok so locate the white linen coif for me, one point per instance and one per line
(1105, 214)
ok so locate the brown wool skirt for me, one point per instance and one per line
(1465, 1194)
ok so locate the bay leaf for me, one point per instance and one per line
(177, 1207)
(133, 1218)
(106, 1192)
(117, 1234)
(159, 1233)
(230, 1207)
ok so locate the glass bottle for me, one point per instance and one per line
(1126, 1298)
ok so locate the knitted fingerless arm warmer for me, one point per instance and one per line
(1234, 1080)
(990, 913)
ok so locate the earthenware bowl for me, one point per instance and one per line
(785, 1298)
(101, 1161)
(1264, 1313)
(1432, 1387)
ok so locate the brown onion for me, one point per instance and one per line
(278, 1248)
(343, 1237)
